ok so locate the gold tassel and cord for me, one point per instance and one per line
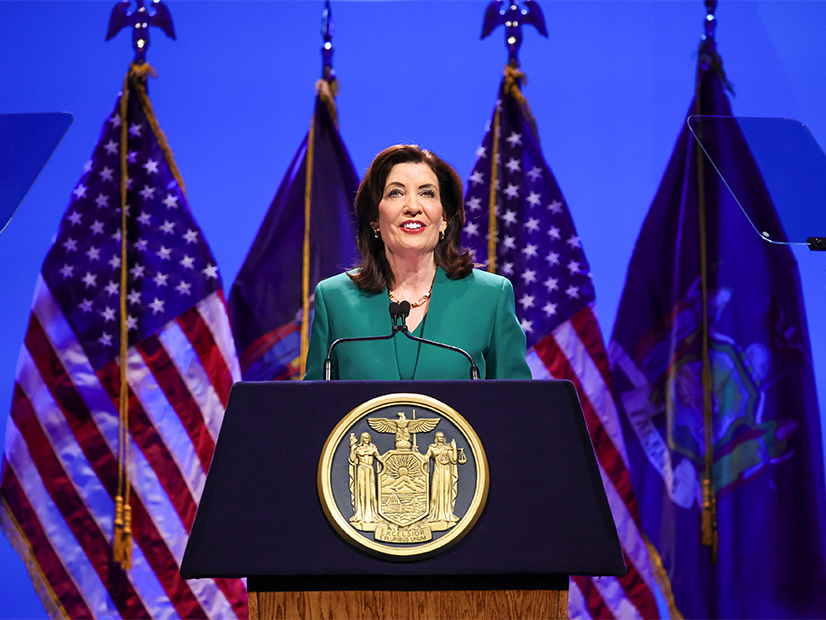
(122, 535)
(494, 168)
(511, 85)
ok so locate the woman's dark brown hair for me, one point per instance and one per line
(374, 273)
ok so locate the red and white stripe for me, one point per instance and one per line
(60, 464)
(575, 351)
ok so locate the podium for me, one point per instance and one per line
(546, 515)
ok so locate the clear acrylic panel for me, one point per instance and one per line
(27, 141)
(791, 162)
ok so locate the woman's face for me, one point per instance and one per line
(410, 212)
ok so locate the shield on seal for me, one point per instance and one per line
(403, 490)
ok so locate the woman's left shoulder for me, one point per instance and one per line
(486, 279)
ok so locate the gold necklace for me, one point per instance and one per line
(421, 301)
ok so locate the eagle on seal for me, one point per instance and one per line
(402, 427)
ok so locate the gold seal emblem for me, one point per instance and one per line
(385, 494)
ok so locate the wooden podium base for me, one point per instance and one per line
(400, 605)
(276, 599)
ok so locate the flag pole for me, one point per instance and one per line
(139, 19)
(508, 14)
(709, 514)
(122, 535)
(326, 90)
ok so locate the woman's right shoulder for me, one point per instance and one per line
(339, 283)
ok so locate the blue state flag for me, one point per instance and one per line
(713, 373)
(270, 301)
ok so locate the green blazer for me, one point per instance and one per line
(475, 313)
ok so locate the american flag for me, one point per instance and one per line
(60, 466)
(537, 247)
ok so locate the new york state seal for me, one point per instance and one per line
(403, 475)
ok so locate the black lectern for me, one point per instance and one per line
(546, 515)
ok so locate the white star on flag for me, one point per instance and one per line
(512, 191)
(157, 305)
(137, 271)
(474, 204)
(515, 139)
(90, 279)
(210, 271)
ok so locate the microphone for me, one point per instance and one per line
(395, 314)
(404, 310)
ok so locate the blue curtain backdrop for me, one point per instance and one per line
(235, 92)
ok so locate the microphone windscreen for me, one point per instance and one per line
(404, 308)
(394, 310)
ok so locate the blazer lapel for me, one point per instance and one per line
(431, 328)
(377, 306)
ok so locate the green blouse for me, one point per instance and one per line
(475, 313)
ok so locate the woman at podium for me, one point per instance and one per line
(410, 217)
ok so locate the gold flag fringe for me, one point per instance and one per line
(20, 543)
(661, 575)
